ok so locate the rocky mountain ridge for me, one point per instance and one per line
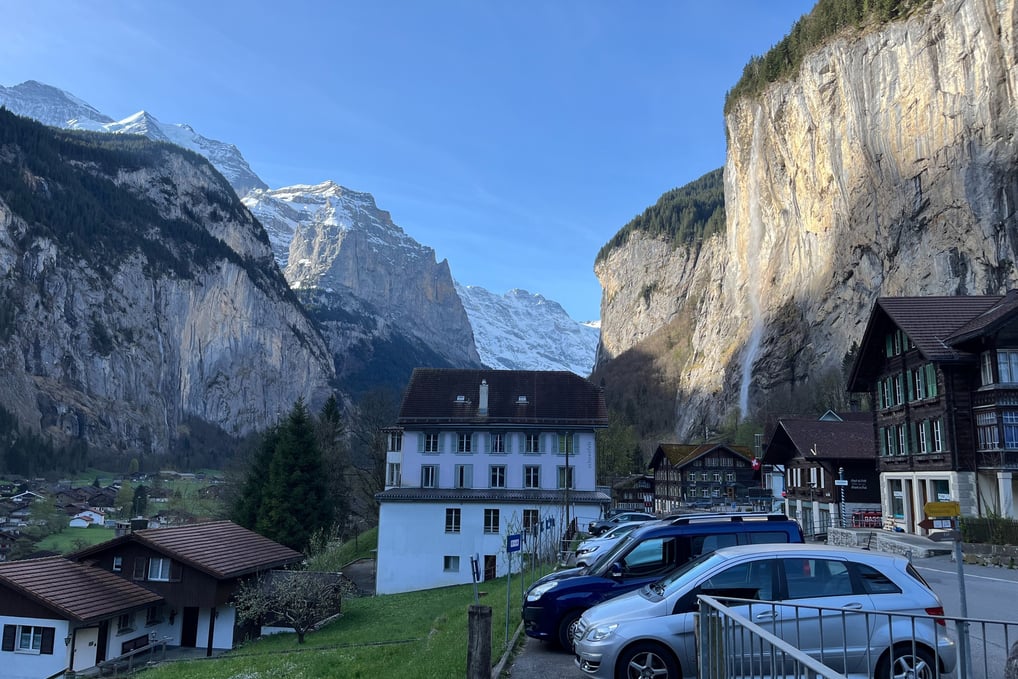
(139, 295)
(886, 166)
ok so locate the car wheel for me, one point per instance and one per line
(647, 659)
(566, 627)
(908, 663)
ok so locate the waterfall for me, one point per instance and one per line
(754, 240)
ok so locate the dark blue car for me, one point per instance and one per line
(554, 603)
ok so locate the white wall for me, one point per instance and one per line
(412, 542)
(17, 665)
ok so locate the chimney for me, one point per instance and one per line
(482, 407)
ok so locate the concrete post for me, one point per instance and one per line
(479, 642)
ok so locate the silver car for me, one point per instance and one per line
(651, 631)
(591, 549)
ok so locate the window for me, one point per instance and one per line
(392, 474)
(715, 492)
(1007, 366)
(875, 582)
(431, 443)
(28, 639)
(565, 444)
(490, 520)
(986, 429)
(717, 477)
(464, 476)
(691, 476)
(938, 439)
(429, 476)
(753, 580)
(451, 564)
(923, 430)
(1010, 418)
(125, 623)
(452, 520)
(531, 518)
(899, 396)
(810, 578)
(496, 476)
(153, 615)
(730, 477)
(986, 368)
(118, 564)
(565, 477)
(897, 499)
(705, 492)
(531, 476)
(705, 476)
(395, 441)
(463, 442)
(159, 569)
(497, 443)
(532, 443)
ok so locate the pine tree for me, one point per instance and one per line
(295, 502)
(248, 503)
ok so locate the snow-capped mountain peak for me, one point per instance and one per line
(524, 331)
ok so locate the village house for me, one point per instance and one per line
(818, 453)
(942, 375)
(194, 569)
(476, 456)
(58, 614)
(702, 475)
(635, 493)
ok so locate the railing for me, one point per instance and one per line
(761, 638)
(126, 662)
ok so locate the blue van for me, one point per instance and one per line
(554, 603)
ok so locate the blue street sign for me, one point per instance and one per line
(513, 543)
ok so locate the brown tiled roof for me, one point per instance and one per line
(930, 322)
(551, 397)
(73, 590)
(680, 454)
(221, 548)
(852, 439)
(988, 321)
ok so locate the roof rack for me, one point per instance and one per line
(733, 518)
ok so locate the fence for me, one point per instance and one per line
(841, 640)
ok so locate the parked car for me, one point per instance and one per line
(596, 528)
(650, 632)
(554, 603)
(588, 550)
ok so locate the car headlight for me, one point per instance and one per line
(602, 632)
(538, 591)
(588, 550)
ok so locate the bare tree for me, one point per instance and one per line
(296, 599)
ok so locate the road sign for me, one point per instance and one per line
(942, 510)
(841, 482)
(514, 542)
(946, 536)
(935, 524)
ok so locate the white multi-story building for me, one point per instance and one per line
(477, 456)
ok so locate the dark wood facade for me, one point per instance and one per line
(687, 475)
(942, 374)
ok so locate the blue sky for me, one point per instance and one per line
(514, 138)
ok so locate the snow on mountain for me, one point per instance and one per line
(57, 108)
(333, 211)
(521, 331)
(514, 331)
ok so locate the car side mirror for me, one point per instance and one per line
(616, 570)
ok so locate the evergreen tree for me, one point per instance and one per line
(295, 502)
(249, 501)
(139, 504)
(332, 442)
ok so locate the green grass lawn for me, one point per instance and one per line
(422, 635)
(72, 539)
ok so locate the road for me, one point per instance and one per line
(991, 594)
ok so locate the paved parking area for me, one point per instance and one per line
(541, 659)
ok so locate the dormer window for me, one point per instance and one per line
(522, 400)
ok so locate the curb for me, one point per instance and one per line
(497, 670)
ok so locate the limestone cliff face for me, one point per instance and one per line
(887, 166)
(342, 245)
(121, 342)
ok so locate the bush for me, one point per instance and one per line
(994, 530)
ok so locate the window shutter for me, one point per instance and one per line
(911, 385)
(931, 380)
(420, 442)
(175, 571)
(10, 633)
(140, 566)
(576, 444)
(46, 648)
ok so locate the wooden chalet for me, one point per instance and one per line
(942, 373)
(704, 475)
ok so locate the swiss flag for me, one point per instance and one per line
(756, 465)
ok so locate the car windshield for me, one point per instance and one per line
(681, 575)
(603, 562)
(619, 531)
